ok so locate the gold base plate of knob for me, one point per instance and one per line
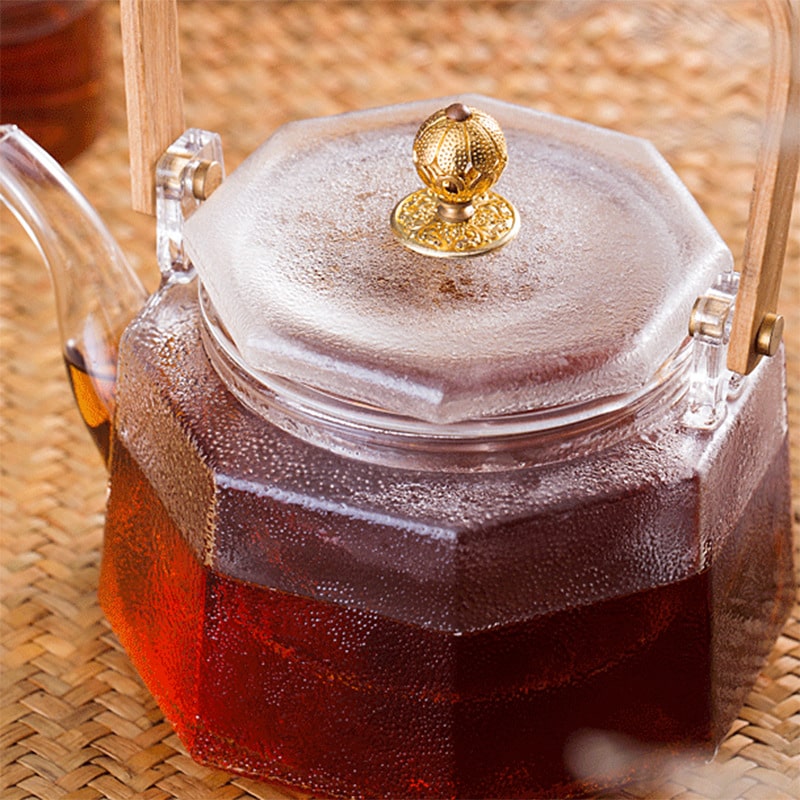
(416, 221)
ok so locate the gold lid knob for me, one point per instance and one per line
(459, 152)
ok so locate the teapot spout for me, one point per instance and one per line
(97, 293)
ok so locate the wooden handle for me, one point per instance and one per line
(154, 96)
(756, 329)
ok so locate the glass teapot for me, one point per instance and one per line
(417, 492)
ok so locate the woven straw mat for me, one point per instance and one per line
(691, 76)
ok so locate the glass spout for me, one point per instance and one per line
(97, 293)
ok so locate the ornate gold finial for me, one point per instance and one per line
(459, 153)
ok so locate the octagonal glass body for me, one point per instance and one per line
(361, 629)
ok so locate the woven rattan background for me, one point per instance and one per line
(77, 722)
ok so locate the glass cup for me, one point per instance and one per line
(52, 63)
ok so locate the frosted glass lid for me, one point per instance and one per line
(588, 302)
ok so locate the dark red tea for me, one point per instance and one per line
(51, 62)
(364, 630)
(350, 703)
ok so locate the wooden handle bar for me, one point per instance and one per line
(154, 95)
(756, 328)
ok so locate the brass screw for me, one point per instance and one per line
(709, 316)
(770, 333)
(206, 179)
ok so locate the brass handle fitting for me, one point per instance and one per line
(770, 333)
(206, 179)
(459, 153)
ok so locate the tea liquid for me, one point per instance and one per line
(346, 702)
(361, 630)
(94, 393)
(51, 61)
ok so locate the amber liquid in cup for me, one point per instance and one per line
(51, 68)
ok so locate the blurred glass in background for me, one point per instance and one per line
(51, 71)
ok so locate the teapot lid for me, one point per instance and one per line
(588, 302)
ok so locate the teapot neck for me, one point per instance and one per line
(490, 444)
